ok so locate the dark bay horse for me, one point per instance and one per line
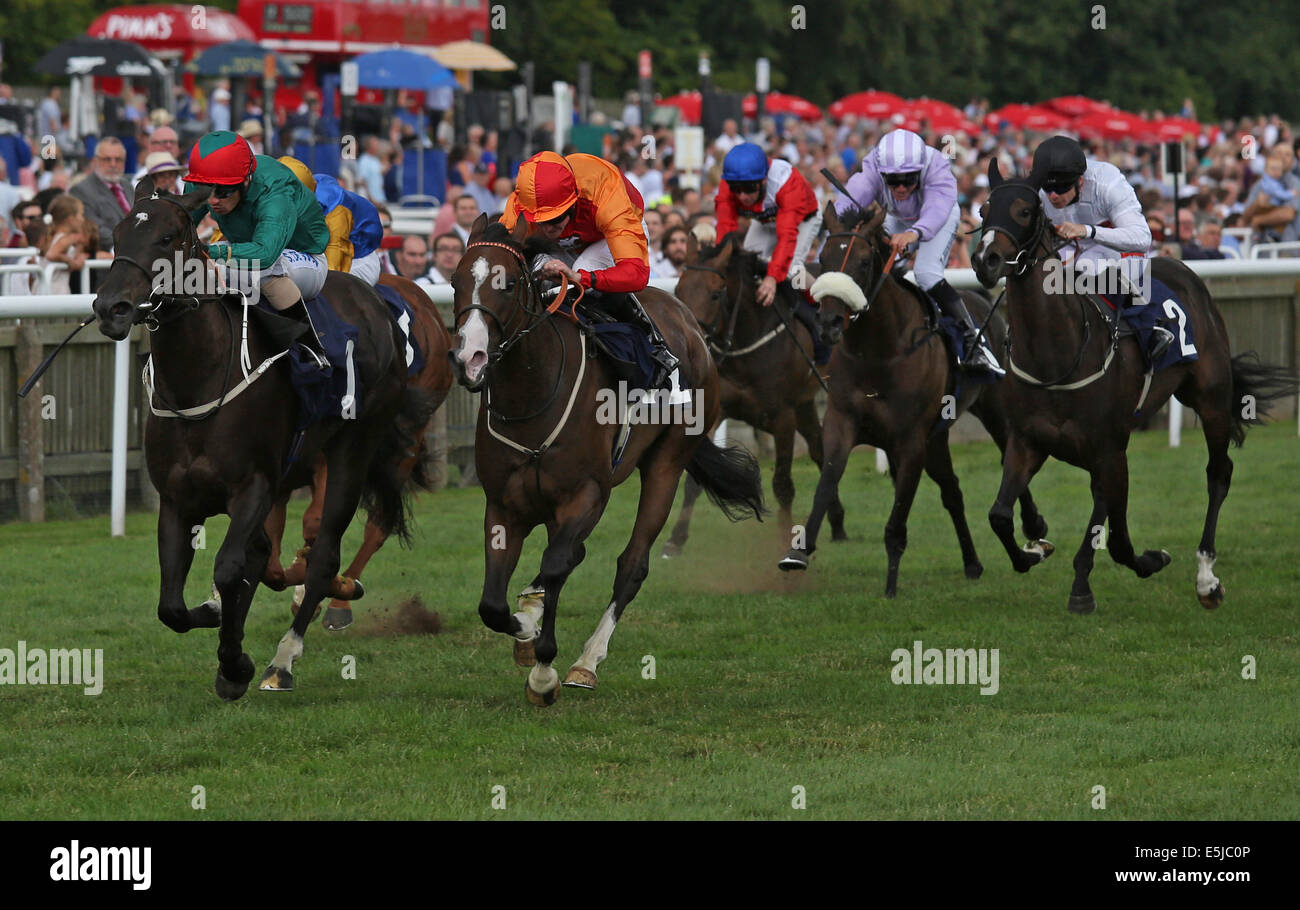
(543, 448)
(893, 386)
(766, 372)
(1084, 412)
(435, 380)
(222, 445)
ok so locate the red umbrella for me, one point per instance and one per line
(1014, 114)
(873, 104)
(1171, 129)
(689, 103)
(1044, 120)
(1077, 105)
(932, 110)
(779, 103)
(167, 26)
(1112, 124)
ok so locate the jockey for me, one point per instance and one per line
(270, 223)
(919, 192)
(783, 213)
(1093, 203)
(586, 205)
(353, 222)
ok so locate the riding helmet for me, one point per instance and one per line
(745, 163)
(545, 188)
(221, 157)
(1058, 158)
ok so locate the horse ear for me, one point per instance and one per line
(144, 189)
(692, 247)
(479, 226)
(195, 198)
(830, 220)
(875, 217)
(995, 172)
(520, 230)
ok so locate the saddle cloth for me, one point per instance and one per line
(401, 311)
(1142, 318)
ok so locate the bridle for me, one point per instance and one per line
(526, 300)
(883, 269)
(1037, 239)
(149, 311)
(714, 330)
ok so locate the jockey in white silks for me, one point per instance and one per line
(915, 184)
(1092, 203)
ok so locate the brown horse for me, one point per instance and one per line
(1084, 416)
(893, 386)
(764, 363)
(545, 439)
(435, 379)
(214, 444)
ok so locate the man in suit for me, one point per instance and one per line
(105, 192)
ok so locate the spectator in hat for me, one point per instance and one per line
(166, 172)
(219, 109)
(251, 130)
(162, 139)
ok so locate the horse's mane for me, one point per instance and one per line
(496, 232)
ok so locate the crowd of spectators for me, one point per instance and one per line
(1240, 174)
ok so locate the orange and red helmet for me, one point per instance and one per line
(546, 187)
(221, 157)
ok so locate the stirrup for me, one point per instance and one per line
(1161, 339)
(979, 357)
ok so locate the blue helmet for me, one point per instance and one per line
(745, 162)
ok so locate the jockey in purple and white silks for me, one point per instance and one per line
(915, 184)
(1092, 202)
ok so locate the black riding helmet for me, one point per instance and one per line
(1057, 159)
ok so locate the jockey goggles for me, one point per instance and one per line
(1060, 186)
(911, 178)
(745, 186)
(225, 191)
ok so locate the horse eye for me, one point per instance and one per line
(168, 238)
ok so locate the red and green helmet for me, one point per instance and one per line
(221, 157)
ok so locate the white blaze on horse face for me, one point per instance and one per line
(474, 333)
(985, 241)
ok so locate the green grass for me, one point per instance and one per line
(764, 681)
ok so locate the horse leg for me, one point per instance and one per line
(1213, 404)
(175, 556)
(311, 518)
(838, 435)
(274, 578)
(782, 482)
(1081, 599)
(658, 489)
(938, 464)
(1114, 479)
(241, 561)
(682, 529)
(908, 458)
(1031, 520)
(564, 551)
(810, 428)
(347, 469)
(503, 539)
(1020, 462)
(338, 615)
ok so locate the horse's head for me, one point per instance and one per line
(493, 294)
(1012, 226)
(705, 285)
(144, 244)
(851, 264)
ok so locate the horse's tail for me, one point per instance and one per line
(731, 477)
(1254, 386)
(392, 478)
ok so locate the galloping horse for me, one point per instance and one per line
(764, 363)
(233, 454)
(543, 450)
(435, 379)
(893, 386)
(1085, 415)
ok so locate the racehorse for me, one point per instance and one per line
(214, 445)
(544, 451)
(893, 386)
(435, 378)
(764, 362)
(1084, 416)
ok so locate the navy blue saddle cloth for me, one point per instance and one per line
(405, 319)
(334, 392)
(1164, 309)
(951, 331)
(624, 346)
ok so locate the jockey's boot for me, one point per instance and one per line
(978, 357)
(804, 308)
(304, 333)
(1161, 339)
(634, 312)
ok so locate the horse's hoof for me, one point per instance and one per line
(1082, 604)
(298, 593)
(274, 578)
(580, 678)
(337, 618)
(1040, 548)
(974, 569)
(671, 550)
(1213, 599)
(227, 690)
(344, 588)
(531, 602)
(795, 560)
(206, 615)
(276, 680)
(525, 653)
(541, 699)
(839, 536)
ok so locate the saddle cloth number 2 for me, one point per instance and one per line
(1174, 311)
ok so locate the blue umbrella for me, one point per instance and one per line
(239, 58)
(395, 69)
